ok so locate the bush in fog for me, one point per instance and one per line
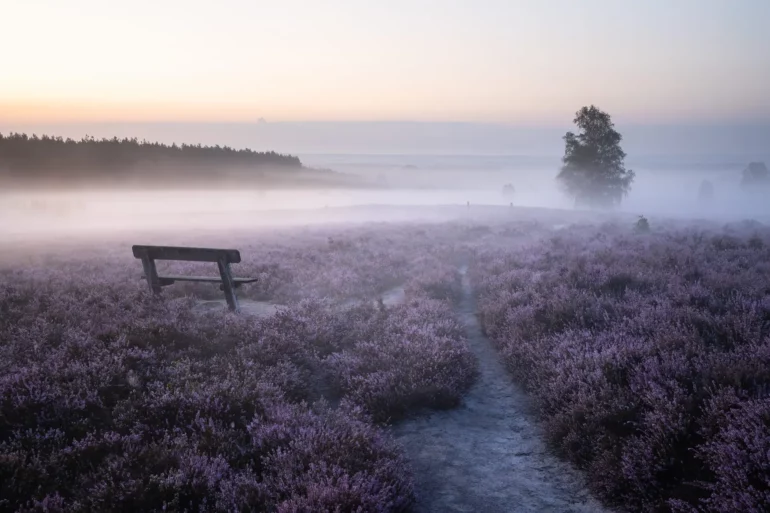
(593, 172)
(755, 174)
(642, 225)
(648, 358)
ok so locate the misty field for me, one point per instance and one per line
(646, 357)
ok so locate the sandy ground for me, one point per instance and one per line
(394, 296)
(391, 297)
(488, 455)
(247, 306)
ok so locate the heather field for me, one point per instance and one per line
(647, 355)
(368, 371)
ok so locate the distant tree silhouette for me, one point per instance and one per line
(24, 157)
(593, 172)
(755, 174)
(706, 191)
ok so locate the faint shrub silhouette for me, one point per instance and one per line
(642, 225)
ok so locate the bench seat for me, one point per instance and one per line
(169, 280)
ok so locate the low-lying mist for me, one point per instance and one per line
(62, 214)
(434, 190)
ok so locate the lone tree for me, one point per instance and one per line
(593, 172)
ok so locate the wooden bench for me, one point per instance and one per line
(223, 258)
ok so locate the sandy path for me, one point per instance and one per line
(390, 297)
(488, 454)
(247, 306)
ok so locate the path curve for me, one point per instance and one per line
(488, 455)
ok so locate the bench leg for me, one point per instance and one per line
(228, 285)
(151, 274)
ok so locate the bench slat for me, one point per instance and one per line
(212, 279)
(164, 281)
(231, 256)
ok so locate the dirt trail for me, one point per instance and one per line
(247, 306)
(488, 455)
(391, 297)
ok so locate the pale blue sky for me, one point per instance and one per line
(514, 62)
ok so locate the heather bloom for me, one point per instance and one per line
(648, 357)
(112, 399)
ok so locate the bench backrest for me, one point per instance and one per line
(230, 256)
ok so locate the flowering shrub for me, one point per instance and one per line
(112, 399)
(648, 357)
(437, 280)
(167, 411)
(402, 359)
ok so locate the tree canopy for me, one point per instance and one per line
(594, 173)
(29, 158)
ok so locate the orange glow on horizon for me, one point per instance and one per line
(62, 112)
(79, 111)
(82, 111)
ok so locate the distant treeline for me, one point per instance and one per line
(31, 158)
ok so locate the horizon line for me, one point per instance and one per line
(458, 123)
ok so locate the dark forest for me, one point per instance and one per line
(31, 160)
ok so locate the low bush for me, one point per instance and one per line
(404, 358)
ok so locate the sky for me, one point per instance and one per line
(526, 63)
